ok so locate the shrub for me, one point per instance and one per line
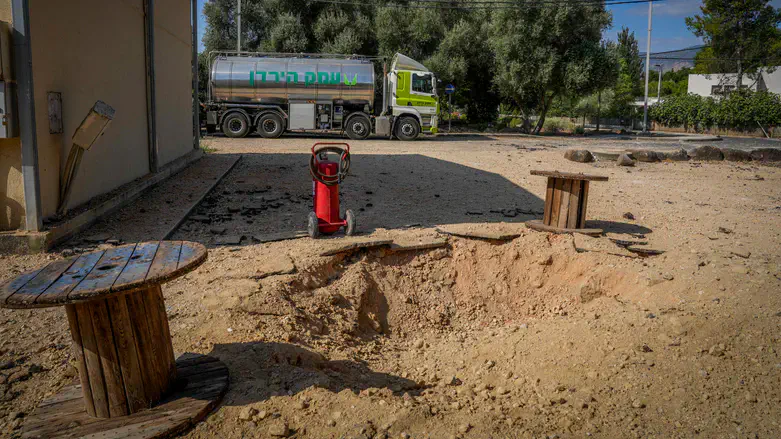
(557, 124)
(740, 111)
(579, 130)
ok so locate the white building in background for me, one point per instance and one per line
(720, 84)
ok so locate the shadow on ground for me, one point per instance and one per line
(271, 193)
(260, 370)
(618, 227)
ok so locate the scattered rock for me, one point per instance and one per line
(331, 423)
(218, 230)
(452, 381)
(679, 155)
(230, 240)
(247, 413)
(625, 160)
(629, 216)
(725, 230)
(464, 428)
(638, 404)
(750, 397)
(97, 238)
(579, 155)
(706, 152)
(419, 343)
(201, 219)
(745, 254)
(279, 428)
(668, 276)
(736, 155)
(645, 155)
(766, 154)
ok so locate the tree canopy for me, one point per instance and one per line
(742, 35)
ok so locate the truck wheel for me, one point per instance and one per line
(235, 125)
(358, 128)
(270, 126)
(407, 129)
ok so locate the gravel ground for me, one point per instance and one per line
(542, 336)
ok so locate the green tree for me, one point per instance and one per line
(464, 58)
(629, 84)
(340, 31)
(744, 32)
(551, 50)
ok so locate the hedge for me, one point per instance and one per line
(740, 111)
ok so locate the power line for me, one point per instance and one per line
(444, 4)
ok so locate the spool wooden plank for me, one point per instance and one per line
(58, 292)
(583, 205)
(78, 352)
(92, 362)
(173, 415)
(191, 253)
(146, 345)
(556, 202)
(137, 267)
(112, 374)
(16, 283)
(574, 205)
(168, 362)
(26, 295)
(570, 175)
(165, 262)
(540, 227)
(159, 360)
(124, 338)
(548, 196)
(103, 276)
(566, 189)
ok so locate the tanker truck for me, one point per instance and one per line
(271, 93)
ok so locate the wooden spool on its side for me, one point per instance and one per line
(565, 203)
(123, 349)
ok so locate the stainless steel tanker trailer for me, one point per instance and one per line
(275, 93)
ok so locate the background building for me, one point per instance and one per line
(720, 84)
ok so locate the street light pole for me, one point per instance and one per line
(647, 66)
(238, 23)
(659, 84)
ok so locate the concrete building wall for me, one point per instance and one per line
(11, 188)
(89, 50)
(173, 72)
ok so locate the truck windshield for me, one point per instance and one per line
(422, 83)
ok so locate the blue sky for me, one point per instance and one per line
(669, 28)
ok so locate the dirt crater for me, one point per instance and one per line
(467, 284)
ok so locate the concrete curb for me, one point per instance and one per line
(192, 207)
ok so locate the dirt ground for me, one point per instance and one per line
(543, 336)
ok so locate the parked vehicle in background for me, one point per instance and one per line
(274, 93)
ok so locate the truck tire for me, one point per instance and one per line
(235, 125)
(407, 128)
(358, 128)
(270, 126)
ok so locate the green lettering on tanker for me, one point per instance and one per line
(325, 78)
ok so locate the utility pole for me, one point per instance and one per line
(238, 32)
(647, 66)
(659, 84)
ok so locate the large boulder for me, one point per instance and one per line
(579, 155)
(736, 155)
(706, 152)
(679, 155)
(625, 160)
(766, 154)
(645, 155)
